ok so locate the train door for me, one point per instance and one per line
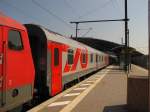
(56, 59)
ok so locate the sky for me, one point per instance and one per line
(56, 15)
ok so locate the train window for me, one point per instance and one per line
(96, 58)
(56, 56)
(14, 40)
(83, 58)
(70, 56)
(91, 58)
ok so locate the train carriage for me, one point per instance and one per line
(66, 59)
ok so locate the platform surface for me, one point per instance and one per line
(105, 91)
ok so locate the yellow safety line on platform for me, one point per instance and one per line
(76, 101)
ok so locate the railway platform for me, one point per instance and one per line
(105, 91)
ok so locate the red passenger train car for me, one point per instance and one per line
(36, 63)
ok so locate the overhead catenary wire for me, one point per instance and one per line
(117, 5)
(113, 4)
(51, 13)
(86, 32)
(19, 11)
(96, 9)
(70, 6)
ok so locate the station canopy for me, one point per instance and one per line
(106, 46)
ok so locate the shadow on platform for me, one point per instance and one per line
(116, 108)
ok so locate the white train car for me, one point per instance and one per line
(67, 59)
